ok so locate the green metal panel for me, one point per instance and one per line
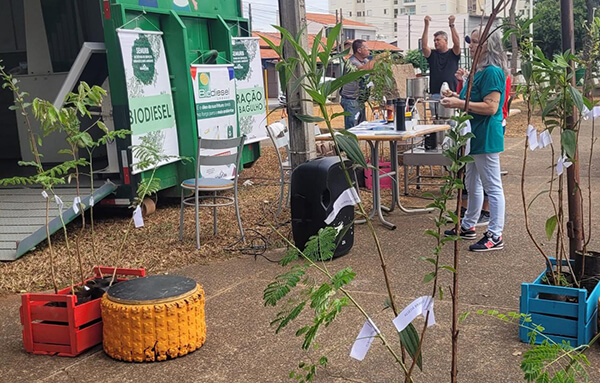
(189, 31)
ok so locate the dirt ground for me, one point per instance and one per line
(156, 246)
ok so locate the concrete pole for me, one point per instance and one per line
(292, 16)
(575, 223)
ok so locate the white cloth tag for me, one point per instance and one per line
(532, 137)
(44, 194)
(76, 202)
(594, 113)
(370, 84)
(419, 306)
(465, 130)
(545, 139)
(562, 164)
(92, 201)
(138, 220)
(60, 203)
(347, 198)
(364, 339)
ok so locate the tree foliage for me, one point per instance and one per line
(547, 32)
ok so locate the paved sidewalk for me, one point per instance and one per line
(241, 347)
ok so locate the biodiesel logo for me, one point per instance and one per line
(204, 88)
(143, 60)
(204, 82)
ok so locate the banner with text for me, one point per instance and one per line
(216, 113)
(151, 113)
(250, 88)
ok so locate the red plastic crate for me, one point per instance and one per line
(64, 331)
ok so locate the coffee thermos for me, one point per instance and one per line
(400, 116)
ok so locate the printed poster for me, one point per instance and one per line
(216, 112)
(151, 112)
(250, 88)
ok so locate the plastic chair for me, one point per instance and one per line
(213, 185)
(279, 136)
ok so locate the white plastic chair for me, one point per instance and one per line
(279, 135)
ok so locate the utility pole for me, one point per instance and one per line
(575, 223)
(250, 16)
(409, 32)
(292, 16)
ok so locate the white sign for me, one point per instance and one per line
(250, 88)
(151, 112)
(364, 339)
(419, 306)
(216, 112)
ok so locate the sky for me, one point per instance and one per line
(264, 12)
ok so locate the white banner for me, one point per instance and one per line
(151, 112)
(250, 88)
(216, 114)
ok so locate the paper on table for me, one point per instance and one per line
(347, 198)
(364, 339)
(60, 203)
(419, 306)
(532, 137)
(545, 139)
(138, 220)
(562, 164)
(76, 202)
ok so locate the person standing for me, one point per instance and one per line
(483, 174)
(355, 94)
(443, 62)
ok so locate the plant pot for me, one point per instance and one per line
(591, 267)
(54, 324)
(574, 321)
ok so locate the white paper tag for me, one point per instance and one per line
(347, 198)
(370, 84)
(465, 130)
(60, 203)
(364, 339)
(419, 306)
(562, 164)
(92, 201)
(532, 137)
(138, 220)
(76, 202)
(44, 194)
(545, 139)
(594, 113)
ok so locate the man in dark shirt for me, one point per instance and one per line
(443, 62)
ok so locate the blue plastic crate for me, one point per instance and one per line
(575, 323)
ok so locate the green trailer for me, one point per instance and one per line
(52, 45)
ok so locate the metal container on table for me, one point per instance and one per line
(442, 112)
(416, 87)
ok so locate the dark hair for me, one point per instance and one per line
(441, 33)
(356, 44)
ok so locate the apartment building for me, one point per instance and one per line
(402, 20)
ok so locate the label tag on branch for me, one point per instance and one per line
(419, 306)
(532, 137)
(60, 203)
(465, 130)
(364, 339)
(76, 206)
(370, 84)
(92, 201)
(138, 220)
(44, 194)
(594, 113)
(562, 164)
(347, 198)
(545, 139)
